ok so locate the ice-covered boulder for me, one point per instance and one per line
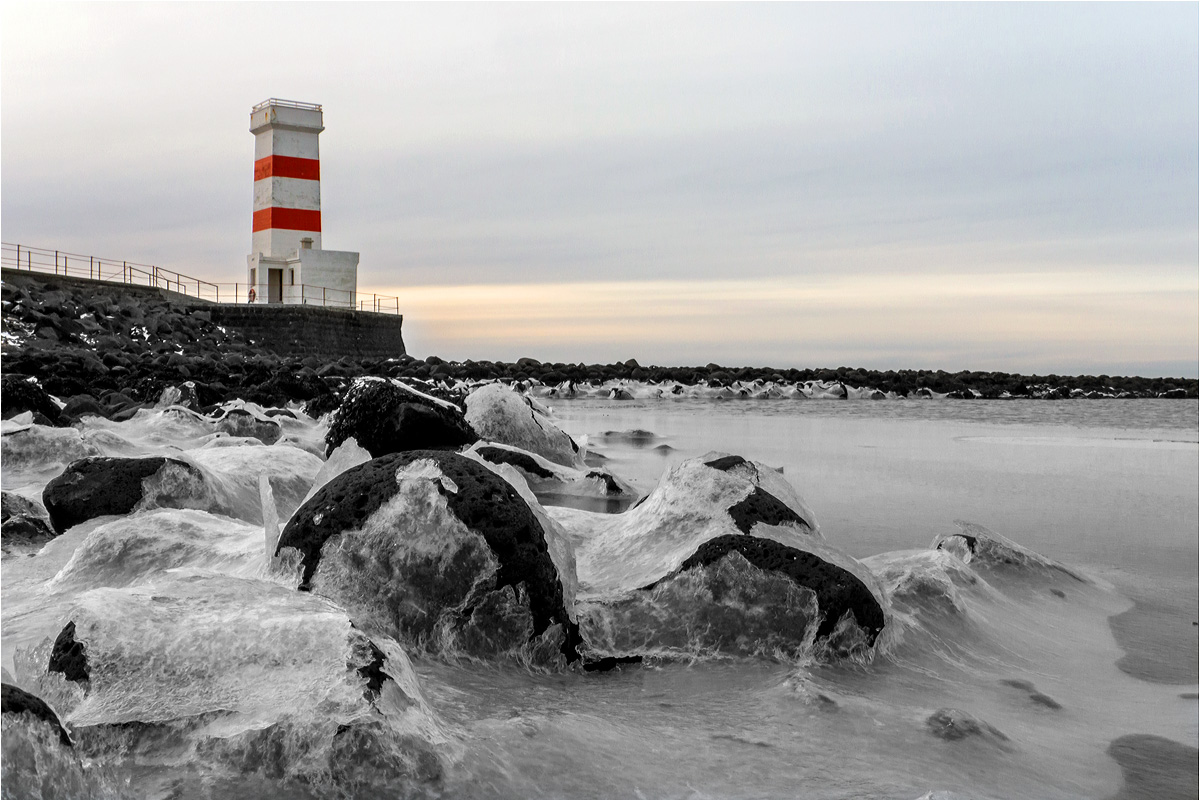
(228, 670)
(388, 416)
(24, 523)
(722, 556)
(436, 550)
(984, 549)
(38, 759)
(140, 547)
(548, 479)
(498, 414)
(33, 452)
(102, 485)
(244, 423)
(15, 701)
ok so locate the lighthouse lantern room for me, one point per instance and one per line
(287, 263)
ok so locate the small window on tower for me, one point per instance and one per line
(253, 277)
(292, 276)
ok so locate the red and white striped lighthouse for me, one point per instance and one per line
(287, 176)
(287, 263)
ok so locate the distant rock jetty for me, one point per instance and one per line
(109, 351)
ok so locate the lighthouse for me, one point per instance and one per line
(286, 262)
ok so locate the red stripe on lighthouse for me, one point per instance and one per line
(287, 167)
(291, 219)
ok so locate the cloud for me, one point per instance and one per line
(660, 145)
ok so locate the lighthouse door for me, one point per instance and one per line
(274, 286)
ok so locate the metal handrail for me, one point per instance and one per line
(275, 101)
(21, 257)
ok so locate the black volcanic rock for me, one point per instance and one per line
(386, 416)
(18, 394)
(15, 701)
(838, 590)
(69, 656)
(100, 485)
(482, 582)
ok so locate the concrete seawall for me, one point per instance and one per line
(326, 333)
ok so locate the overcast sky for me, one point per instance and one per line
(944, 186)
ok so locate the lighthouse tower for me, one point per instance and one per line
(286, 263)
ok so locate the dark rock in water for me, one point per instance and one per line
(954, 724)
(474, 575)
(611, 486)
(385, 416)
(69, 656)
(515, 458)
(241, 423)
(18, 394)
(101, 485)
(837, 589)
(1155, 767)
(81, 406)
(15, 701)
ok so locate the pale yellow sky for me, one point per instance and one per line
(982, 321)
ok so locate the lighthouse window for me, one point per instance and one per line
(292, 276)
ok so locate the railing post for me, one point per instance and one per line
(56, 262)
(18, 257)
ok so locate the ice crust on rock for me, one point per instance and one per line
(137, 548)
(436, 550)
(386, 416)
(542, 475)
(500, 415)
(229, 665)
(690, 571)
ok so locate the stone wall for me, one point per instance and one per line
(313, 330)
(287, 330)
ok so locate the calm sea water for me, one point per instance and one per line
(1063, 688)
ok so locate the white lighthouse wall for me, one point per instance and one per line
(327, 276)
(281, 243)
(285, 142)
(288, 193)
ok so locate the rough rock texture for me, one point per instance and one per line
(19, 394)
(100, 485)
(431, 545)
(69, 656)
(15, 701)
(387, 417)
(498, 414)
(837, 589)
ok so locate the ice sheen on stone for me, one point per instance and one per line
(558, 542)
(498, 414)
(689, 507)
(232, 666)
(543, 475)
(348, 454)
(132, 549)
(391, 583)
